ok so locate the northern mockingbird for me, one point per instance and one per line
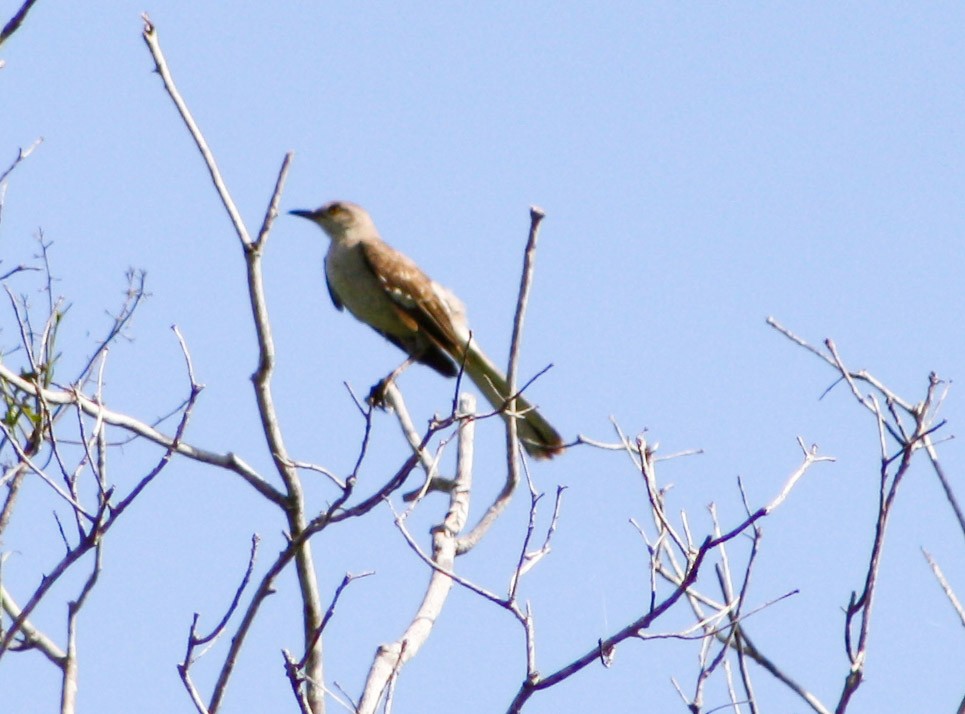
(387, 291)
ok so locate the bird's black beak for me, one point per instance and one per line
(310, 215)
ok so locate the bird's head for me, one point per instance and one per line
(339, 219)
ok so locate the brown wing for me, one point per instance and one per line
(412, 295)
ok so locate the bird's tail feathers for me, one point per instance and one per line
(538, 436)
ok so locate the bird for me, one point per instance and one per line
(386, 290)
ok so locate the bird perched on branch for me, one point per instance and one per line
(387, 291)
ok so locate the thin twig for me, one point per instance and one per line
(161, 67)
(21, 155)
(16, 21)
(330, 612)
(945, 586)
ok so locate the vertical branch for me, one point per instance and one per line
(889, 423)
(295, 510)
(294, 503)
(536, 216)
(467, 542)
(390, 658)
(68, 701)
(13, 479)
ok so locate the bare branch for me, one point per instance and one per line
(68, 698)
(26, 460)
(430, 464)
(21, 155)
(330, 612)
(536, 216)
(90, 407)
(946, 588)
(161, 67)
(295, 680)
(14, 23)
(532, 558)
(390, 658)
(499, 503)
(31, 636)
(945, 483)
(890, 424)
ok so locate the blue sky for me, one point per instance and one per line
(701, 167)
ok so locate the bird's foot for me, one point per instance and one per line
(377, 394)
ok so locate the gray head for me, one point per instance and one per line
(340, 218)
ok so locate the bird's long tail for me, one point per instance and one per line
(539, 438)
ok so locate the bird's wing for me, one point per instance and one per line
(413, 295)
(331, 293)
